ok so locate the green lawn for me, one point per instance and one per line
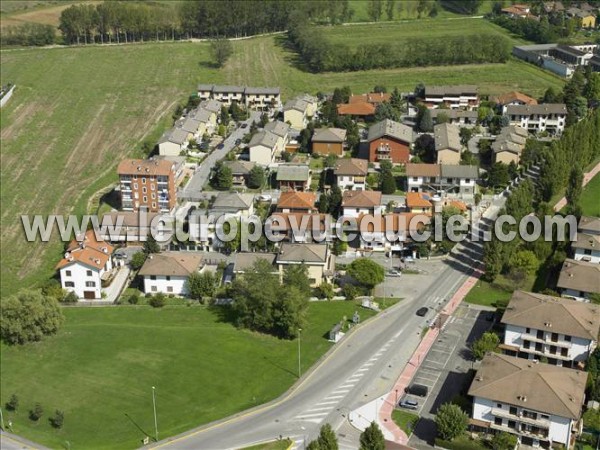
(273, 445)
(405, 420)
(489, 294)
(101, 366)
(590, 199)
(77, 111)
(393, 32)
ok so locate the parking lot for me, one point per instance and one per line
(447, 369)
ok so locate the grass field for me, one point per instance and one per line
(405, 420)
(77, 111)
(273, 445)
(397, 32)
(35, 11)
(202, 367)
(490, 294)
(590, 199)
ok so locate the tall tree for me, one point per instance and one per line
(221, 49)
(256, 178)
(375, 9)
(202, 285)
(150, 245)
(367, 272)
(372, 438)
(389, 9)
(574, 190)
(451, 421)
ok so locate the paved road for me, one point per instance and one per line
(9, 441)
(361, 367)
(200, 178)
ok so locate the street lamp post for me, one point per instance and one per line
(396, 397)
(154, 406)
(299, 359)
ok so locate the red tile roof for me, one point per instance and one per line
(356, 109)
(88, 251)
(297, 200)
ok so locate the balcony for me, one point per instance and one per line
(535, 435)
(547, 340)
(545, 353)
(542, 423)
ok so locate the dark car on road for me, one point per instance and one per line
(418, 390)
(244, 125)
(238, 141)
(220, 146)
(422, 311)
(408, 404)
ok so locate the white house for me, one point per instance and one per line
(295, 112)
(539, 403)
(282, 131)
(262, 98)
(173, 142)
(351, 174)
(356, 203)
(312, 104)
(263, 148)
(579, 279)
(587, 246)
(458, 179)
(559, 330)
(452, 97)
(549, 117)
(233, 203)
(86, 263)
(422, 177)
(388, 232)
(168, 272)
(317, 258)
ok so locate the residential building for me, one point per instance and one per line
(509, 144)
(297, 202)
(386, 232)
(452, 97)
(419, 203)
(293, 177)
(585, 18)
(390, 141)
(317, 258)
(455, 116)
(245, 261)
(259, 98)
(422, 177)
(517, 10)
(561, 59)
(456, 179)
(351, 174)
(263, 148)
(556, 329)
(282, 131)
(233, 203)
(539, 403)
(355, 203)
(240, 171)
(133, 226)
(553, 6)
(302, 227)
(148, 184)
(174, 141)
(214, 107)
(168, 272)
(295, 112)
(374, 98)
(329, 141)
(587, 246)
(312, 104)
(262, 98)
(86, 263)
(579, 280)
(207, 119)
(550, 117)
(356, 110)
(514, 98)
(447, 143)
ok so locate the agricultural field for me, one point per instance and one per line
(380, 33)
(17, 12)
(77, 111)
(590, 198)
(203, 369)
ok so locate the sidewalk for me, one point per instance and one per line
(586, 179)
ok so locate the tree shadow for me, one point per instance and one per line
(208, 65)
(224, 313)
(136, 425)
(111, 198)
(280, 367)
(291, 55)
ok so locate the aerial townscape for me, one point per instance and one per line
(320, 225)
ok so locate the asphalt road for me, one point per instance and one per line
(361, 367)
(200, 178)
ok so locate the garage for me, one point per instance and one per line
(89, 295)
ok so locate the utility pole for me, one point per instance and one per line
(154, 406)
(299, 359)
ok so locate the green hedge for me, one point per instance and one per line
(460, 443)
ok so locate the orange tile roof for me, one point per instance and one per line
(518, 96)
(356, 109)
(361, 199)
(88, 251)
(416, 200)
(145, 166)
(297, 200)
(372, 97)
(458, 204)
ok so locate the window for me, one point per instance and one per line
(567, 338)
(564, 352)
(135, 185)
(554, 337)
(513, 410)
(90, 284)
(88, 273)
(153, 196)
(69, 284)
(526, 344)
(67, 273)
(527, 330)
(153, 205)
(540, 334)
(153, 288)
(135, 177)
(587, 252)
(145, 199)
(545, 416)
(152, 186)
(498, 420)
(415, 178)
(153, 277)
(143, 180)
(144, 190)
(499, 405)
(467, 180)
(169, 288)
(168, 277)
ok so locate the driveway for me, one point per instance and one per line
(200, 177)
(118, 284)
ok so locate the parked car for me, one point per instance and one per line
(244, 125)
(220, 146)
(418, 390)
(408, 404)
(238, 141)
(265, 198)
(422, 311)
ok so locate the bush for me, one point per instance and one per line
(58, 419)
(459, 444)
(451, 421)
(157, 301)
(133, 299)
(71, 297)
(36, 413)
(13, 403)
